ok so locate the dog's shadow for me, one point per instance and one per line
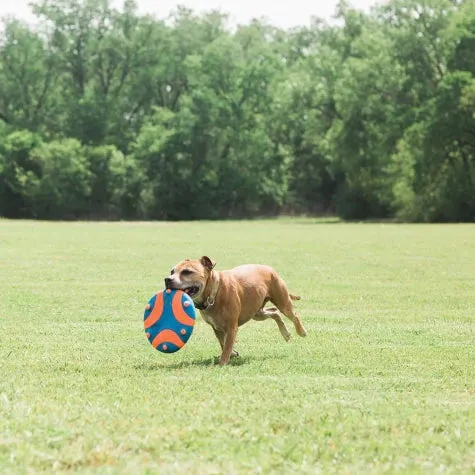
(201, 363)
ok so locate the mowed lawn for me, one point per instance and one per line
(384, 382)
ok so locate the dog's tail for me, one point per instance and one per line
(294, 297)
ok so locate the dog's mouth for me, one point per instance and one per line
(192, 291)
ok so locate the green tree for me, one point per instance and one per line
(65, 186)
(20, 173)
(435, 164)
(28, 76)
(108, 113)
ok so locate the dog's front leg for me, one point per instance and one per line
(220, 335)
(229, 341)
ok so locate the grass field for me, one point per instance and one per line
(384, 382)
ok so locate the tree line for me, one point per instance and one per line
(107, 113)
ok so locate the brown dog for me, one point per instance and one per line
(230, 298)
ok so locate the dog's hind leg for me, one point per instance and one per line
(272, 312)
(281, 298)
(287, 309)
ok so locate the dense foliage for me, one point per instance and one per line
(108, 114)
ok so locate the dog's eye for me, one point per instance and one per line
(172, 271)
(186, 272)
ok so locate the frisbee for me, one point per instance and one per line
(169, 319)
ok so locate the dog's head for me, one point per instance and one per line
(190, 276)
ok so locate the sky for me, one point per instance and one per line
(285, 14)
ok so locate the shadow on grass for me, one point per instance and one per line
(311, 221)
(202, 363)
(308, 220)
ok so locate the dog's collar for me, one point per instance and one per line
(211, 299)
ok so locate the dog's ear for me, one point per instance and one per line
(207, 262)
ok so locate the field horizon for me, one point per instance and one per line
(383, 383)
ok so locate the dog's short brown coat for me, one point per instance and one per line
(230, 298)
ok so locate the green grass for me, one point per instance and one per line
(384, 382)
